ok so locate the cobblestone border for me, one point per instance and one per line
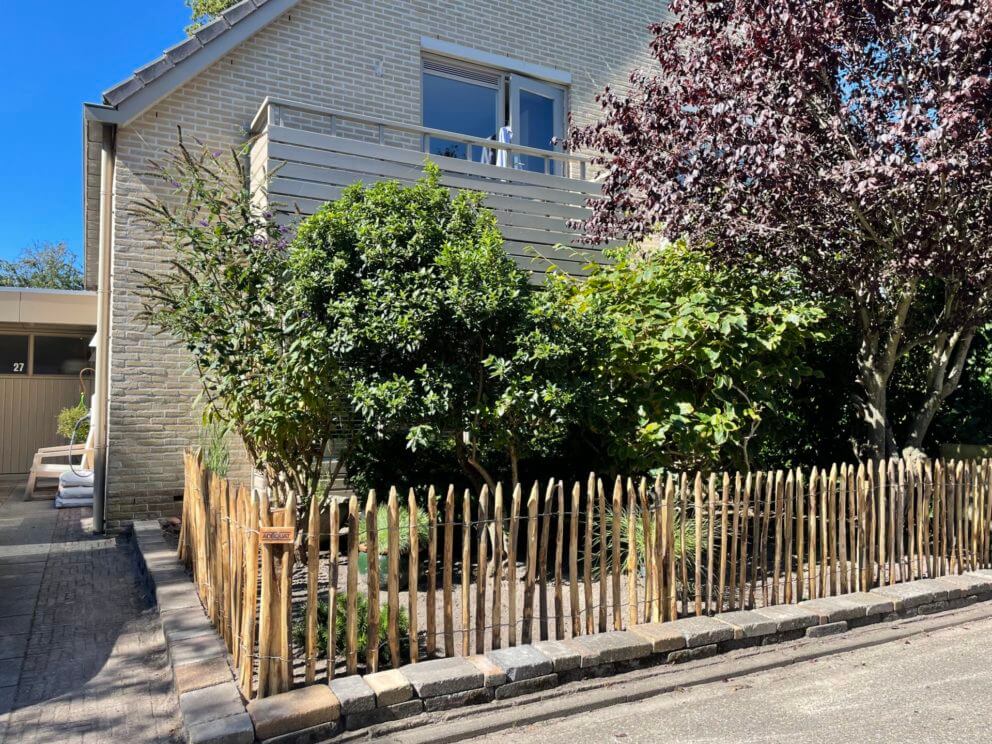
(210, 704)
(213, 712)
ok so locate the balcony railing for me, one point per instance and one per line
(280, 112)
(304, 156)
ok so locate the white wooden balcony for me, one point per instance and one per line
(309, 154)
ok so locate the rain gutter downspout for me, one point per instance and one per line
(102, 386)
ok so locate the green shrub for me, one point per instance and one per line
(382, 526)
(213, 444)
(341, 629)
(68, 417)
(690, 539)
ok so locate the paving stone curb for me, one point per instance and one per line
(210, 704)
(214, 712)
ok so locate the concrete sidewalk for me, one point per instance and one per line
(81, 658)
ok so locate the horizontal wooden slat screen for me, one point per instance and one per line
(534, 210)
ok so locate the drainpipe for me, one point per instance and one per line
(102, 384)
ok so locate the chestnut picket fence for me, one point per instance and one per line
(493, 569)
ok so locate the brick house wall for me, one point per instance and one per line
(322, 52)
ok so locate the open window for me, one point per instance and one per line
(496, 105)
(537, 119)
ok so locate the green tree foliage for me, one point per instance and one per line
(545, 389)
(225, 295)
(415, 293)
(44, 265)
(204, 11)
(394, 332)
(699, 354)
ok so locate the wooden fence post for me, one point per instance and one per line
(573, 561)
(587, 557)
(617, 515)
(449, 562)
(413, 575)
(351, 595)
(497, 637)
(526, 628)
(332, 589)
(372, 557)
(431, 572)
(511, 565)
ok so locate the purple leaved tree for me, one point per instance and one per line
(848, 141)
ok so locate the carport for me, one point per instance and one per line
(45, 337)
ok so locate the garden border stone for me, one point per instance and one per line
(521, 662)
(789, 617)
(354, 694)
(703, 631)
(213, 711)
(210, 704)
(563, 657)
(748, 623)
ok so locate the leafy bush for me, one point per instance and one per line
(415, 291)
(698, 354)
(69, 417)
(341, 629)
(226, 294)
(690, 538)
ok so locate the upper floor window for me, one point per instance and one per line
(506, 107)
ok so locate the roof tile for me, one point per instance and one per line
(236, 12)
(183, 49)
(212, 30)
(153, 69)
(123, 90)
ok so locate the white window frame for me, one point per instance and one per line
(514, 74)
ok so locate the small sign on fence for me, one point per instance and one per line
(276, 535)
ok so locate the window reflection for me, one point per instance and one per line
(61, 355)
(536, 129)
(461, 106)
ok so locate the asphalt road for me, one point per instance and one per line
(931, 688)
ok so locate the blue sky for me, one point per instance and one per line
(55, 56)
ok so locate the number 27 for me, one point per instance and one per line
(18, 366)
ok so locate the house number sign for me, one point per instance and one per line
(277, 535)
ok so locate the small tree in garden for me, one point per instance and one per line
(697, 354)
(845, 141)
(226, 296)
(549, 384)
(415, 292)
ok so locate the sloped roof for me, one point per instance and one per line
(180, 63)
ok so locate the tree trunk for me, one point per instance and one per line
(947, 363)
(948, 356)
(875, 414)
(878, 355)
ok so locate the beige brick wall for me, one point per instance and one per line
(322, 52)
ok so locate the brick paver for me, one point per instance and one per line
(81, 657)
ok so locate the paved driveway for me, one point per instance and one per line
(80, 657)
